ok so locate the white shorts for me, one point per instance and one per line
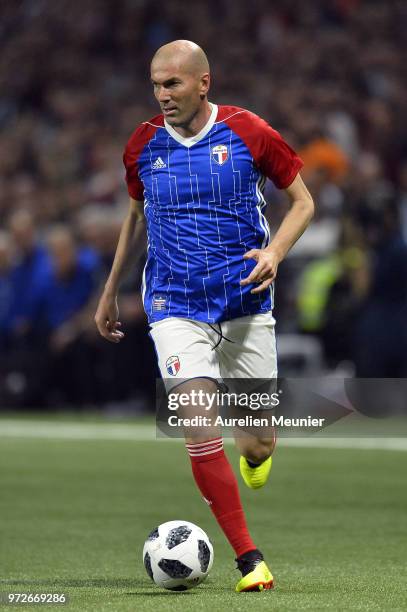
(240, 348)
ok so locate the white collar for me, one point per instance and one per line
(191, 140)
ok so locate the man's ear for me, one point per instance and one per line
(205, 82)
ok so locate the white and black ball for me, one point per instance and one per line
(178, 555)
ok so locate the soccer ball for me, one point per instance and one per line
(177, 555)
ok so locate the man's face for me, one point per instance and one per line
(5, 252)
(178, 92)
(22, 230)
(63, 255)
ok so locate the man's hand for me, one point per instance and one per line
(106, 318)
(264, 272)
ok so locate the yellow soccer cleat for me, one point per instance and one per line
(255, 477)
(256, 576)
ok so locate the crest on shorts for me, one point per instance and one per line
(173, 365)
(220, 154)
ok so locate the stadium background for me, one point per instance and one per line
(80, 491)
(331, 76)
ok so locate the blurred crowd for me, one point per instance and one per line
(330, 76)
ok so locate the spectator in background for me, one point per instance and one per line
(67, 288)
(321, 153)
(70, 78)
(61, 313)
(402, 198)
(6, 289)
(380, 331)
(331, 290)
(81, 370)
(25, 265)
(30, 268)
(131, 372)
(98, 229)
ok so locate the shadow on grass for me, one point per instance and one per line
(140, 587)
(107, 583)
(159, 593)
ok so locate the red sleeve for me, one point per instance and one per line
(137, 141)
(273, 156)
(134, 185)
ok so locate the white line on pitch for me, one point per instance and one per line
(24, 428)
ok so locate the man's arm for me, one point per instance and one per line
(131, 246)
(292, 227)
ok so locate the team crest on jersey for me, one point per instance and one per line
(173, 365)
(220, 154)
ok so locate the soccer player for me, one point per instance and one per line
(195, 176)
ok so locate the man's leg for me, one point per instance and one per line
(248, 365)
(217, 483)
(212, 471)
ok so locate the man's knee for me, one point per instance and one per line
(198, 417)
(257, 449)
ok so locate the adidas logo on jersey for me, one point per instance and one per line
(158, 164)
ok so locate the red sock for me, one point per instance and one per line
(218, 485)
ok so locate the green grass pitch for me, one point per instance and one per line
(74, 516)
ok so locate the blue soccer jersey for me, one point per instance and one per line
(204, 206)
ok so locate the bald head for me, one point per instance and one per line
(182, 54)
(180, 76)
